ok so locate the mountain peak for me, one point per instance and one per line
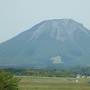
(61, 23)
(64, 21)
(57, 28)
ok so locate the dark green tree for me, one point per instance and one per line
(8, 81)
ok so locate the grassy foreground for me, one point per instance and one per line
(53, 83)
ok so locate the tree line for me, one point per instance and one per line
(70, 72)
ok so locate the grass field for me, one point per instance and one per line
(53, 83)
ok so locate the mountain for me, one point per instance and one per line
(51, 43)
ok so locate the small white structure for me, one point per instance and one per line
(83, 77)
(88, 76)
(76, 81)
(78, 76)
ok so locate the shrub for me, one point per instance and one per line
(8, 81)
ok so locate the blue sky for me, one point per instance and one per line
(18, 15)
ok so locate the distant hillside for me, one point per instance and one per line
(50, 44)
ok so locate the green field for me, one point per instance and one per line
(53, 83)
